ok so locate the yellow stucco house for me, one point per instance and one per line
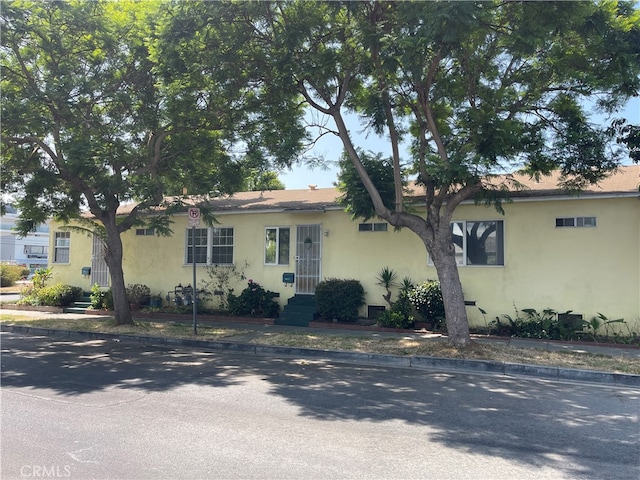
(549, 249)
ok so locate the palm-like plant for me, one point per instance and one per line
(387, 279)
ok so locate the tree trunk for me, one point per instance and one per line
(113, 258)
(443, 255)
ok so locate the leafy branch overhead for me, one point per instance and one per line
(99, 117)
(476, 89)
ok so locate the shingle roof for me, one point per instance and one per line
(625, 182)
(317, 199)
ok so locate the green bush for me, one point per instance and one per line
(534, 324)
(41, 276)
(10, 274)
(254, 301)
(339, 299)
(426, 298)
(400, 315)
(58, 295)
(101, 299)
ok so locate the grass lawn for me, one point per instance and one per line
(397, 345)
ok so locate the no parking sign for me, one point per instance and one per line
(194, 217)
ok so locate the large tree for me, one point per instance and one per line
(92, 119)
(476, 88)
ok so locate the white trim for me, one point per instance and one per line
(277, 262)
(555, 198)
(188, 231)
(56, 247)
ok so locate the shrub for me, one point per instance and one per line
(390, 319)
(41, 276)
(426, 298)
(138, 294)
(339, 299)
(541, 325)
(101, 299)
(221, 280)
(58, 295)
(254, 301)
(400, 315)
(10, 274)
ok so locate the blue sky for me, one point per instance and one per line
(330, 147)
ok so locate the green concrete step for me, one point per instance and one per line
(79, 310)
(292, 321)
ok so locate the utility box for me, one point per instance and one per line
(86, 271)
(288, 278)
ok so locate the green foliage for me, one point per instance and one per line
(106, 102)
(387, 278)
(256, 181)
(10, 274)
(101, 299)
(472, 87)
(221, 280)
(400, 314)
(354, 197)
(427, 300)
(59, 295)
(254, 301)
(96, 297)
(547, 325)
(41, 276)
(406, 285)
(601, 321)
(629, 135)
(339, 299)
(138, 293)
(391, 319)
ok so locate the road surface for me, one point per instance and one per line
(83, 409)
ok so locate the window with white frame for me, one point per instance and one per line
(145, 231)
(197, 245)
(276, 245)
(222, 246)
(210, 245)
(62, 241)
(576, 222)
(478, 242)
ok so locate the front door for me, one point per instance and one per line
(99, 269)
(308, 258)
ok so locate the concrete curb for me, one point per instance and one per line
(397, 361)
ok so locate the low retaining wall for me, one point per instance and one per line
(186, 317)
(32, 308)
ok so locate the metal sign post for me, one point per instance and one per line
(194, 221)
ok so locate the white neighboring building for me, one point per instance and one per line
(32, 250)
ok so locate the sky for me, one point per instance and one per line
(330, 147)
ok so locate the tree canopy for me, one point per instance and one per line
(477, 88)
(92, 118)
(104, 103)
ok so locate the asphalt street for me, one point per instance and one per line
(81, 409)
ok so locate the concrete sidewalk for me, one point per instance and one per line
(248, 341)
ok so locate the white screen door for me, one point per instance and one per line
(99, 269)
(308, 258)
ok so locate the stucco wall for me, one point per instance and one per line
(79, 256)
(587, 270)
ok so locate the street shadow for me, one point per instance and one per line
(478, 414)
